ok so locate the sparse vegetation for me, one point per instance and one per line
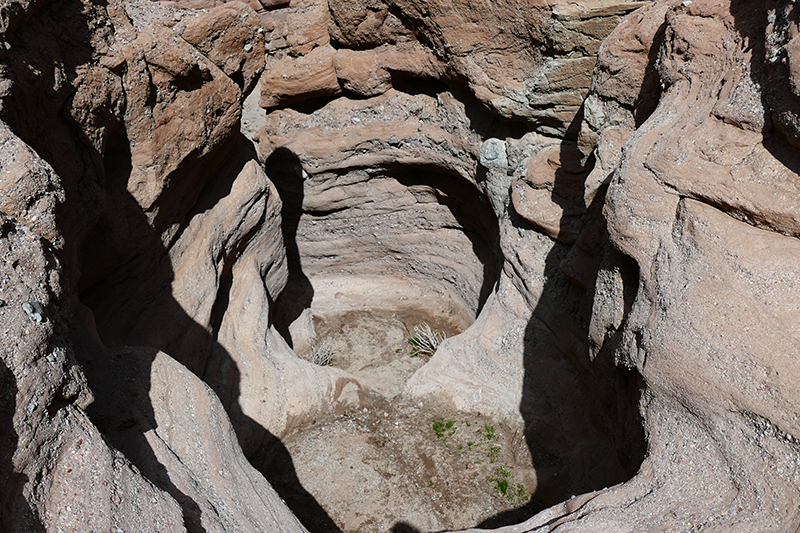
(425, 340)
(482, 448)
(322, 354)
(444, 429)
(493, 454)
(500, 480)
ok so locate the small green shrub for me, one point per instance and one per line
(493, 454)
(501, 480)
(444, 429)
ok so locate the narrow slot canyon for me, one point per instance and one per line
(376, 252)
(321, 266)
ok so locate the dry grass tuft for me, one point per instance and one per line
(425, 340)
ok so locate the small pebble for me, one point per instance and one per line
(248, 47)
(34, 310)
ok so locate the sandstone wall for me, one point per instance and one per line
(119, 121)
(601, 198)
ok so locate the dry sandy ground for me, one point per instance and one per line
(395, 465)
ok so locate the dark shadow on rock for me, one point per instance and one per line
(111, 249)
(582, 424)
(404, 527)
(15, 513)
(780, 99)
(120, 381)
(275, 462)
(120, 378)
(286, 172)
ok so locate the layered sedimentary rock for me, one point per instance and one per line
(115, 118)
(701, 213)
(611, 229)
(392, 139)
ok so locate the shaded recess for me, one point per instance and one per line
(442, 237)
(581, 428)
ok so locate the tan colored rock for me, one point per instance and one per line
(144, 103)
(174, 428)
(550, 197)
(394, 127)
(30, 191)
(57, 470)
(291, 80)
(698, 302)
(489, 46)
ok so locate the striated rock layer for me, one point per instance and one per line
(695, 293)
(600, 202)
(116, 118)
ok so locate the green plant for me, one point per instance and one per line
(444, 429)
(501, 480)
(493, 454)
(488, 432)
(425, 340)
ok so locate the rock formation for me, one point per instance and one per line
(601, 200)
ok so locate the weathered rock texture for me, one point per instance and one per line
(120, 125)
(601, 198)
(690, 111)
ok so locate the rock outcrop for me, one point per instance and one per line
(600, 201)
(694, 294)
(115, 119)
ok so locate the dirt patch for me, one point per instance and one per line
(374, 345)
(395, 465)
(398, 467)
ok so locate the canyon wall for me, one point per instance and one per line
(599, 200)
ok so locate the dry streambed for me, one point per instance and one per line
(397, 466)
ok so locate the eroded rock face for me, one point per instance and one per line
(99, 180)
(530, 62)
(421, 183)
(609, 231)
(697, 300)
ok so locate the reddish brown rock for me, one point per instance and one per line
(57, 470)
(698, 302)
(232, 38)
(496, 50)
(291, 80)
(130, 141)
